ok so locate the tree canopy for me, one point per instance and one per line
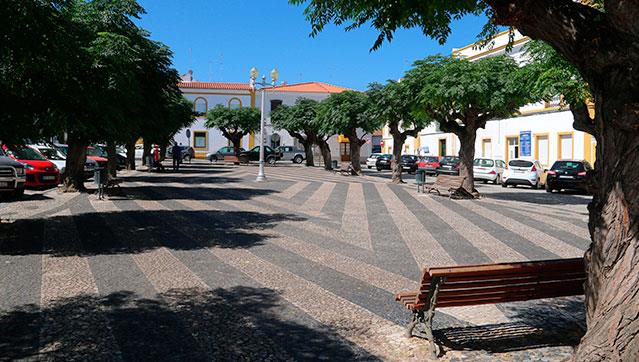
(234, 123)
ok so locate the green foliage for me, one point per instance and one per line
(432, 17)
(549, 75)
(451, 88)
(345, 112)
(299, 118)
(394, 104)
(234, 122)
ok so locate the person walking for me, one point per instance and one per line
(157, 160)
(176, 152)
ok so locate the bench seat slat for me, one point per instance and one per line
(508, 268)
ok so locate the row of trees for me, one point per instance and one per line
(599, 40)
(84, 69)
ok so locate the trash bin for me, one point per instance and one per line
(420, 179)
(334, 164)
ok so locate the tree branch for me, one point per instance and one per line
(623, 14)
(413, 132)
(582, 121)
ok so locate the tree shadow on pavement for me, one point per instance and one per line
(137, 231)
(541, 198)
(239, 323)
(536, 324)
(158, 192)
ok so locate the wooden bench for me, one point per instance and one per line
(235, 159)
(446, 183)
(489, 284)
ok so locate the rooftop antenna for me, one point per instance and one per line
(190, 58)
(210, 71)
(221, 64)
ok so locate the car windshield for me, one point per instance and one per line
(51, 154)
(63, 149)
(375, 155)
(92, 151)
(450, 159)
(483, 162)
(386, 155)
(26, 153)
(409, 158)
(430, 159)
(568, 166)
(520, 163)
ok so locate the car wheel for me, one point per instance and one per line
(18, 193)
(536, 185)
(484, 181)
(298, 159)
(379, 169)
(504, 185)
(548, 189)
(369, 167)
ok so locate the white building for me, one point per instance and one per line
(206, 95)
(542, 131)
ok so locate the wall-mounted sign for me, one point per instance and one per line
(525, 144)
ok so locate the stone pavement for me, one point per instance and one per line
(206, 264)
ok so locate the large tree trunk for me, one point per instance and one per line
(325, 149)
(396, 165)
(308, 151)
(113, 159)
(355, 146)
(74, 168)
(130, 156)
(612, 261)
(467, 136)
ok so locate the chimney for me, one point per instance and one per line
(188, 77)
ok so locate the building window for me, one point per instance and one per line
(200, 140)
(565, 146)
(487, 148)
(275, 103)
(200, 105)
(235, 103)
(512, 147)
(542, 147)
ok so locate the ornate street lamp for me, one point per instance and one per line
(253, 83)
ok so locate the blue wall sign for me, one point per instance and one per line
(525, 143)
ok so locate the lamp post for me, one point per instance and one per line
(264, 85)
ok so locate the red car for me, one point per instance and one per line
(429, 163)
(41, 173)
(96, 155)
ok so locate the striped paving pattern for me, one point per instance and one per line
(209, 265)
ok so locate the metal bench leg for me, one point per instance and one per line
(430, 314)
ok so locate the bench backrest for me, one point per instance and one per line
(506, 282)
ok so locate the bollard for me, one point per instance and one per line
(334, 164)
(420, 179)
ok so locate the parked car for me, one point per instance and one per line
(270, 155)
(383, 162)
(12, 176)
(53, 155)
(96, 155)
(224, 151)
(370, 161)
(89, 164)
(103, 151)
(430, 164)
(567, 174)
(522, 172)
(449, 165)
(40, 172)
(488, 169)
(290, 153)
(409, 163)
(187, 153)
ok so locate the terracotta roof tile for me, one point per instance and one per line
(215, 85)
(309, 87)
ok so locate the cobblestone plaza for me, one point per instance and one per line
(206, 264)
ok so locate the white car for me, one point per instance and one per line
(54, 155)
(370, 161)
(488, 169)
(523, 172)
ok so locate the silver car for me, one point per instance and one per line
(290, 153)
(370, 161)
(488, 169)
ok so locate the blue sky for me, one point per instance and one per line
(222, 39)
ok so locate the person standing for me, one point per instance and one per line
(176, 152)
(157, 161)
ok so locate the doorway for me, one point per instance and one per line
(442, 147)
(512, 144)
(345, 151)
